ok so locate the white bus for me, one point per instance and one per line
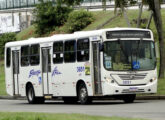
(118, 62)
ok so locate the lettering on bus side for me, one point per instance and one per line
(34, 73)
(80, 69)
(56, 71)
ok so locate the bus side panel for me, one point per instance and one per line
(31, 74)
(8, 76)
(63, 78)
(9, 80)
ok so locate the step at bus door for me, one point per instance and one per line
(15, 57)
(96, 68)
(46, 70)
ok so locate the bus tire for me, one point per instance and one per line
(83, 95)
(32, 99)
(129, 98)
(30, 95)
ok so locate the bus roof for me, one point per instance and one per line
(57, 37)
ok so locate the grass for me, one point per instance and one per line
(2, 79)
(48, 116)
(27, 33)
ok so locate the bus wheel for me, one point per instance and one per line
(31, 95)
(129, 98)
(83, 95)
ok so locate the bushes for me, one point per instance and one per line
(49, 16)
(78, 20)
(4, 38)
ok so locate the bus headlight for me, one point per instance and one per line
(109, 79)
(153, 79)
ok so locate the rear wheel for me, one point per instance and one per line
(83, 95)
(129, 98)
(32, 99)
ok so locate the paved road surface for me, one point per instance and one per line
(150, 109)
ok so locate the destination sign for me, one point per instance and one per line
(128, 34)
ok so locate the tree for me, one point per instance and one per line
(140, 14)
(104, 5)
(122, 4)
(48, 16)
(154, 6)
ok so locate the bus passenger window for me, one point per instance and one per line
(35, 54)
(83, 49)
(58, 52)
(25, 56)
(8, 57)
(69, 53)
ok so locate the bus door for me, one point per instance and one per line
(96, 68)
(15, 57)
(46, 70)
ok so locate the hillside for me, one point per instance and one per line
(100, 18)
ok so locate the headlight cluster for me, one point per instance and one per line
(153, 79)
(109, 79)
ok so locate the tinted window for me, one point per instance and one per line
(58, 52)
(8, 58)
(83, 49)
(25, 56)
(69, 53)
(35, 55)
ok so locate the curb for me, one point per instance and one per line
(137, 98)
(12, 98)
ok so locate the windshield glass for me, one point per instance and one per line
(127, 55)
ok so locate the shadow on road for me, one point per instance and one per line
(94, 103)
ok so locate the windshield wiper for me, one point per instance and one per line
(125, 53)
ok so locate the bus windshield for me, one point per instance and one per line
(129, 55)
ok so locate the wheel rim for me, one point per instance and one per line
(30, 94)
(83, 94)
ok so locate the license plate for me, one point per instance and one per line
(132, 89)
(48, 97)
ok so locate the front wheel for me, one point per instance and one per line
(129, 98)
(83, 95)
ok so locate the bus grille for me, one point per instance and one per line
(132, 76)
(137, 91)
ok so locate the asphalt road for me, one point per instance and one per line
(148, 109)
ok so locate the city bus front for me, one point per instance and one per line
(129, 62)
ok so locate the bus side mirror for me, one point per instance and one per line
(101, 47)
(157, 50)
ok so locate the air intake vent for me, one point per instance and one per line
(132, 76)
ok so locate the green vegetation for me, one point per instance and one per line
(2, 79)
(8, 37)
(48, 16)
(27, 33)
(48, 116)
(78, 20)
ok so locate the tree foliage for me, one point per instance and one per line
(71, 2)
(48, 16)
(4, 38)
(78, 20)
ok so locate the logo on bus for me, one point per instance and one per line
(34, 73)
(56, 72)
